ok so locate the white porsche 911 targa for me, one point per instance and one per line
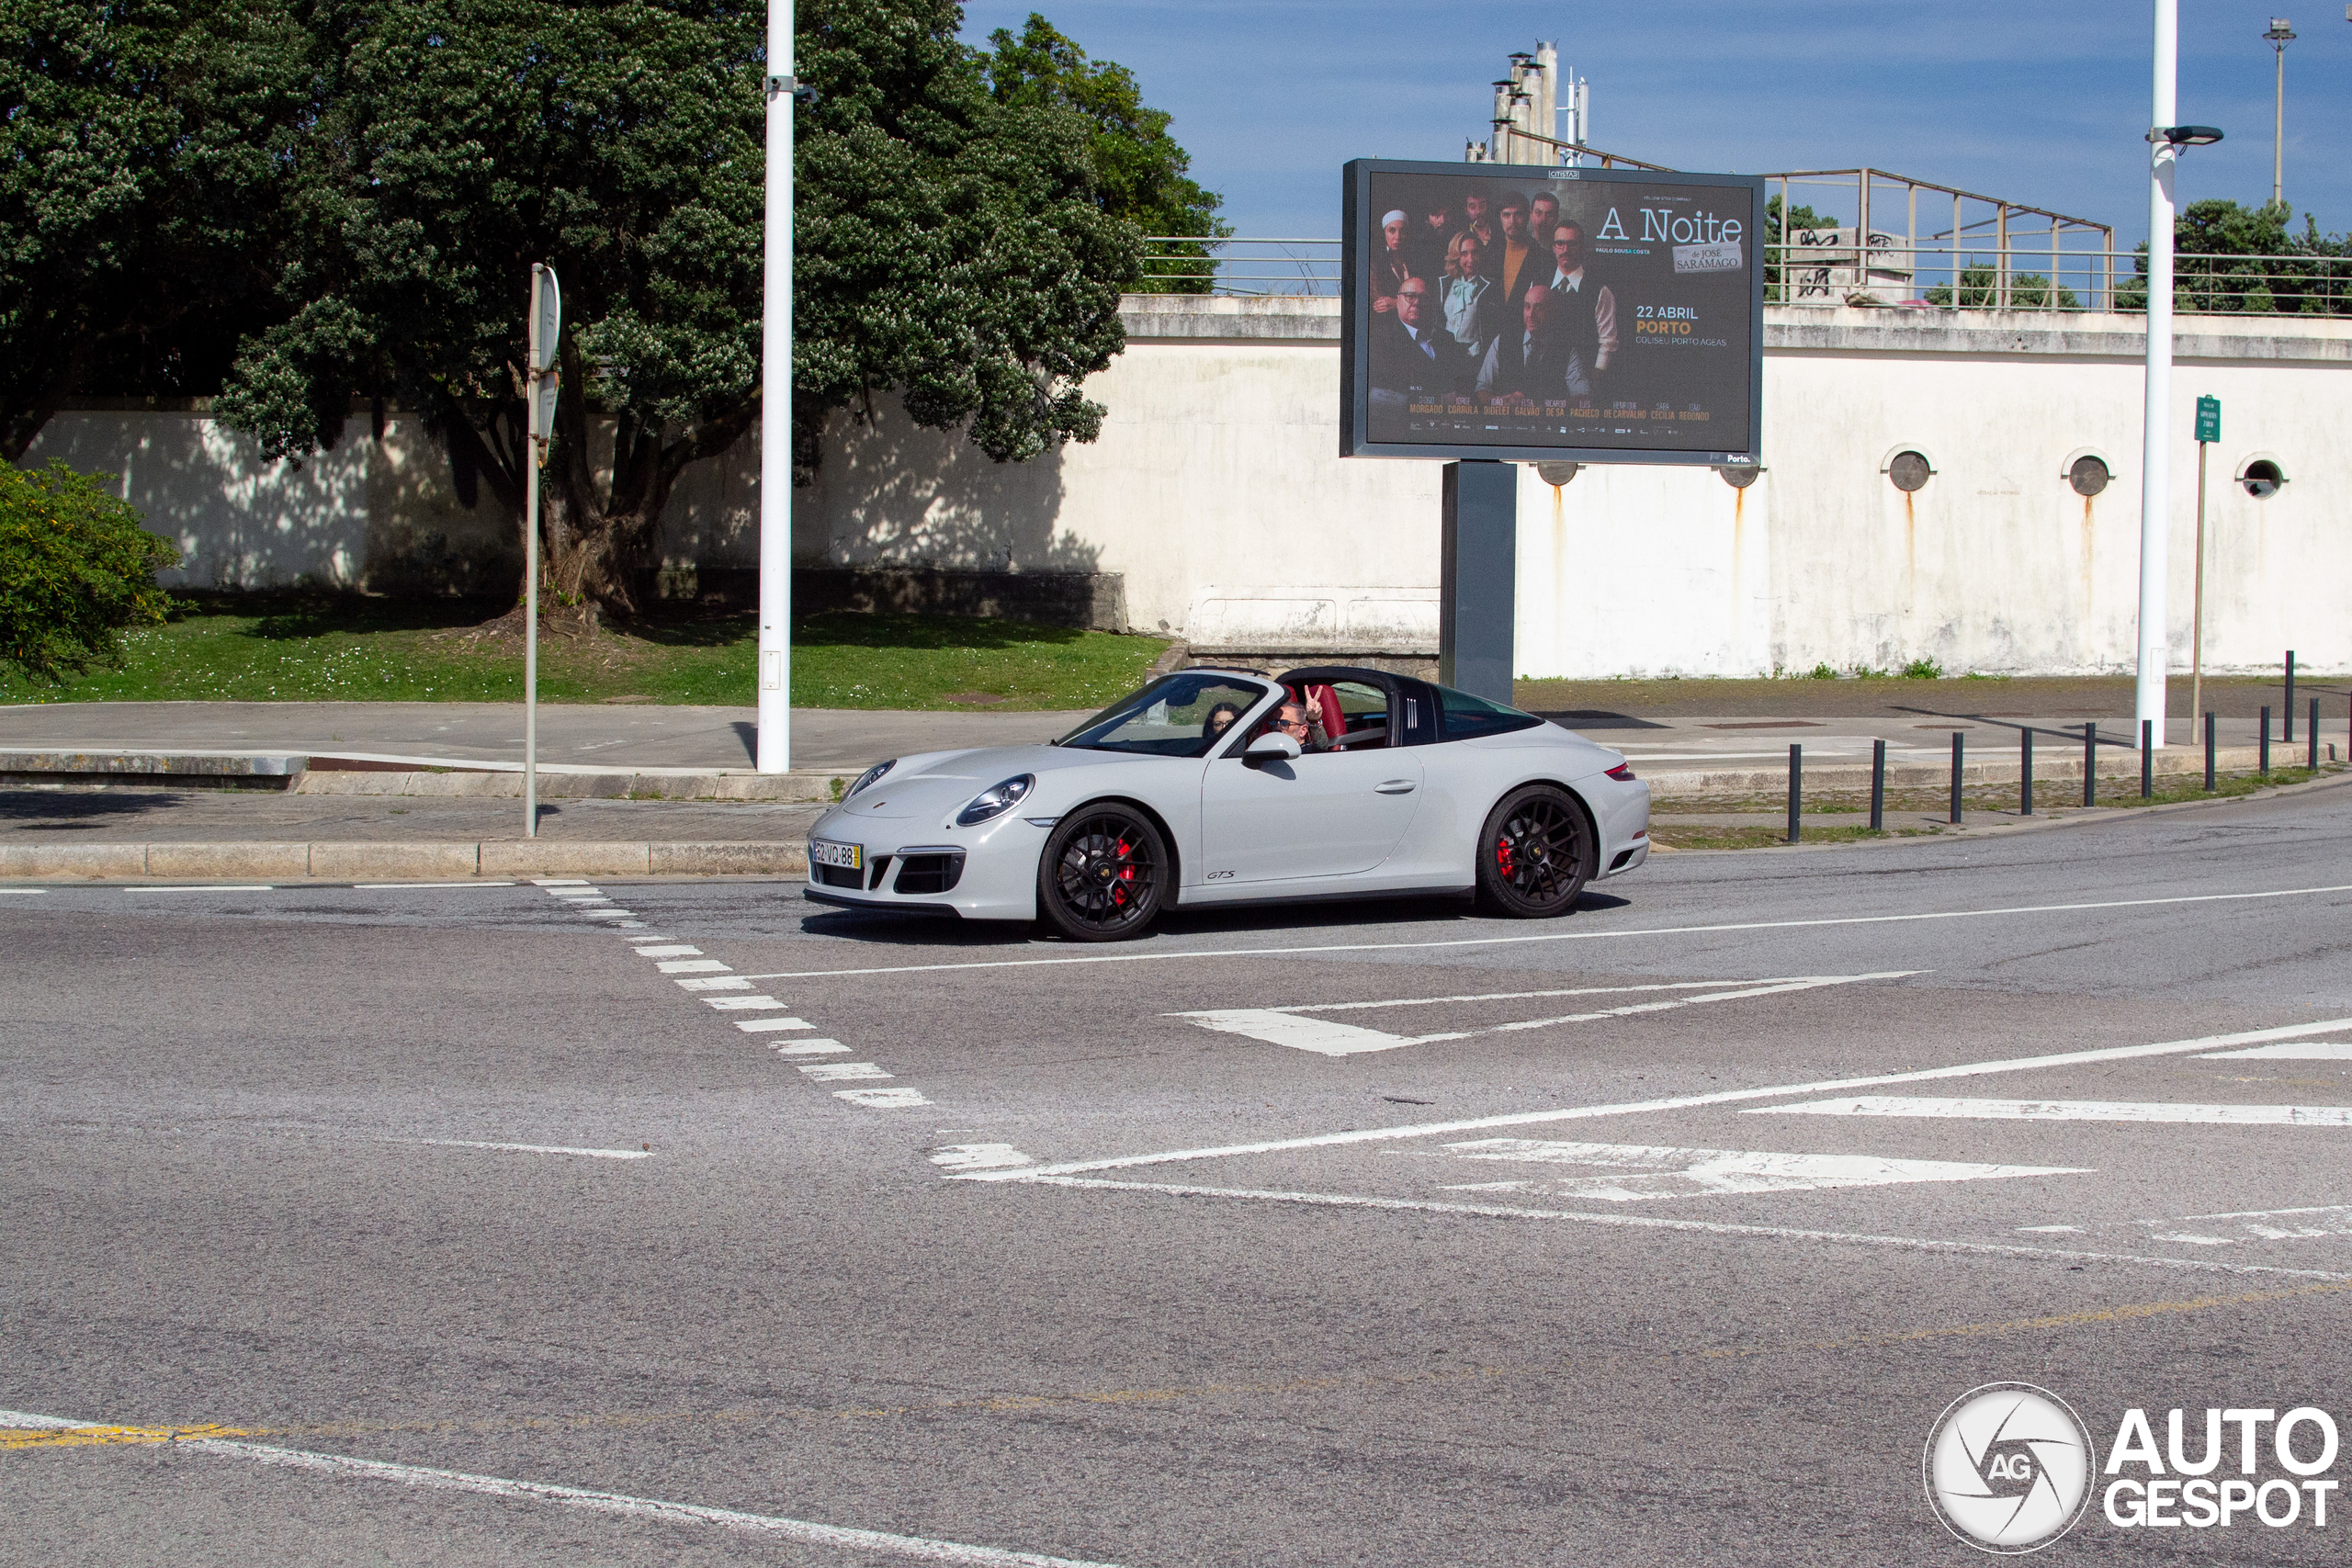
(1216, 786)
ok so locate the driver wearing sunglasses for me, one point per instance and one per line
(1291, 719)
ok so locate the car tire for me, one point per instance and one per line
(1536, 853)
(1104, 875)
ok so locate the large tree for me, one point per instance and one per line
(460, 142)
(144, 159)
(1143, 174)
(950, 246)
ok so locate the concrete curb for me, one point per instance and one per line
(393, 862)
(359, 774)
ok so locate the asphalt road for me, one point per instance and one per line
(450, 1224)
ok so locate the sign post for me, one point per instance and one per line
(2209, 430)
(547, 323)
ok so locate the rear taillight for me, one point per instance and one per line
(1622, 773)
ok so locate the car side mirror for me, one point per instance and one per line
(1271, 747)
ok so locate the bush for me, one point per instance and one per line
(1923, 670)
(75, 568)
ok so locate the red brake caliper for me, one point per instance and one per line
(1502, 854)
(1126, 873)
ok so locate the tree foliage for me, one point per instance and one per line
(2302, 274)
(1980, 290)
(143, 166)
(75, 568)
(1143, 174)
(314, 206)
(948, 244)
(460, 140)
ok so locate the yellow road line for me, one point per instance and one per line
(13, 1438)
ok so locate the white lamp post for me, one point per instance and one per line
(775, 408)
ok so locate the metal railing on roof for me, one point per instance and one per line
(1823, 266)
(1243, 267)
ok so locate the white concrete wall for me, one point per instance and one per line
(374, 513)
(1216, 490)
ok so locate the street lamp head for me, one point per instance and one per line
(2186, 135)
(2281, 33)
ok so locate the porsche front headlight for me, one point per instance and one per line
(995, 802)
(868, 777)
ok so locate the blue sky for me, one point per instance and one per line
(2038, 103)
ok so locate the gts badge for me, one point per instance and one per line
(1219, 877)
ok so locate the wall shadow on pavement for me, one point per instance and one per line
(913, 931)
(54, 810)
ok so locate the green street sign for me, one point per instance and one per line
(2209, 419)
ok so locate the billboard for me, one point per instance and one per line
(1522, 312)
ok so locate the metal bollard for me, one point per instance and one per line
(2147, 757)
(1878, 786)
(2265, 740)
(2312, 730)
(2208, 751)
(2025, 773)
(1796, 790)
(1956, 745)
(2090, 764)
(2288, 714)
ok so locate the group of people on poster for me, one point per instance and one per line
(1494, 300)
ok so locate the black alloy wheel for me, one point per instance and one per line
(1537, 853)
(1103, 876)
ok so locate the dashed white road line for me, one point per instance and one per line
(1641, 1171)
(1660, 1223)
(685, 965)
(882, 1099)
(2070, 1110)
(1675, 1103)
(837, 1072)
(226, 887)
(2308, 1051)
(535, 1148)
(922, 1549)
(394, 887)
(22, 892)
(1605, 933)
(979, 1156)
(1289, 1026)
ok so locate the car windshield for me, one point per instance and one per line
(1177, 715)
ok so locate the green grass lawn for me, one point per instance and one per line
(300, 648)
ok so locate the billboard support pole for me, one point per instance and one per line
(1478, 579)
(2156, 450)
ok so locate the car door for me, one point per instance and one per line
(1332, 813)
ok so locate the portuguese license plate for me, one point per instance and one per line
(848, 857)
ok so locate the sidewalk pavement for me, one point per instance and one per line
(618, 742)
